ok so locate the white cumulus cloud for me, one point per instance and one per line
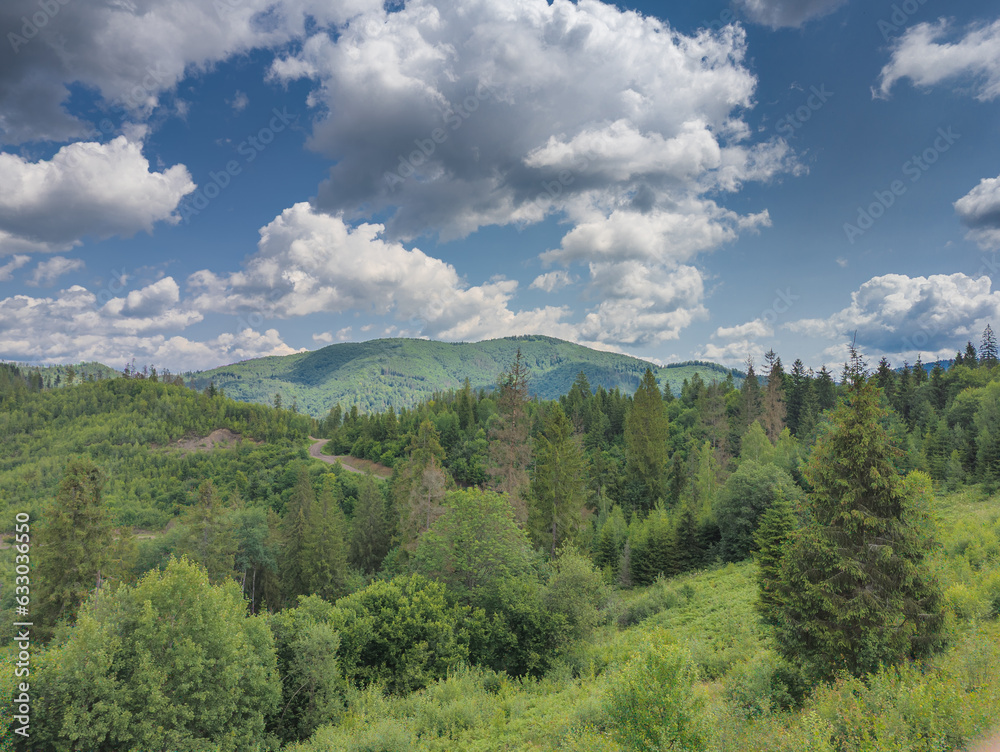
(923, 56)
(86, 189)
(898, 314)
(787, 13)
(979, 210)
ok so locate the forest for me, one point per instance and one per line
(790, 561)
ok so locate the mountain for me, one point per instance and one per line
(400, 373)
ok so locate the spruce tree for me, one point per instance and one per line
(853, 592)
(646, 435)
(209, 539)
(970, 359)
(510, 440)
(797, 383)
(369, 536)
(885, 379)
(325, 566)
(751, 403)
(557, 488)
(774, 409)
(75, 542)
(988, 348)
(294, 534)
(772, 534)
(826, 391)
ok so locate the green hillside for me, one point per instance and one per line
(403, 372)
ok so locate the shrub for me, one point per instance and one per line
(651, 704)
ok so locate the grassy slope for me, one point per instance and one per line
(402, 372)
(940, 706)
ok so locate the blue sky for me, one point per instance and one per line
(193, 183)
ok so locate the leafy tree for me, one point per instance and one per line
(313, 685)
(171, 663)
(76, 546)
(646, 434)
(746, 496)
(254, 553)
(510, 445)
(402, 633)
(576, 591)
(474, 546)
(853, 592)
(557, 485)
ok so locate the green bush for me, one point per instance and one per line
(651, 704)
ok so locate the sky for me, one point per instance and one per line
(191, 183)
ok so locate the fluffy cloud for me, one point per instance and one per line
(7, 270)
(755, 328)
(921, 56)
(452, 117)
(732, 353)
(552, 281)
(779, 13)
(47, 272)
(73, 326)
(85, 189)
(130, 52)
(308, 262)
(979, 210)
(897, 314)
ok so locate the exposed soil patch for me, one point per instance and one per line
(220, 438)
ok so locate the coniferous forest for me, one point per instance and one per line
(803, 561)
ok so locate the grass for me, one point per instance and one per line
(944, 704)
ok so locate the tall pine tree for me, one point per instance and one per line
(646, 434)
(510, 441)
(853, 591)
(557, 488)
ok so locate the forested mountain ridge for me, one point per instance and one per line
(399, 373)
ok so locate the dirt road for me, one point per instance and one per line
(315, 451)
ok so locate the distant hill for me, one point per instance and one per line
(54, 376)
(402, 372)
